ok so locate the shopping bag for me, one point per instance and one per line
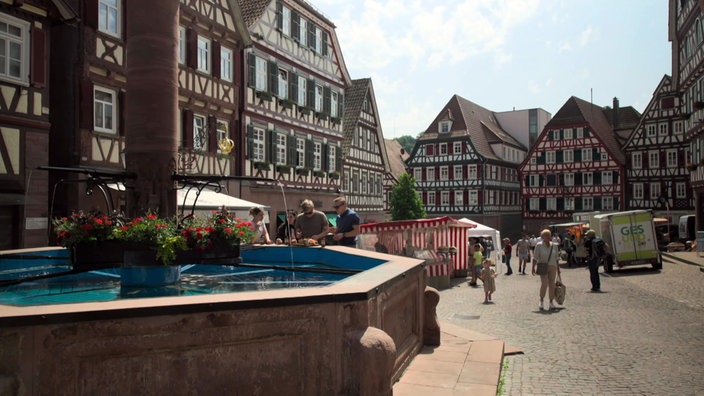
(560, 291)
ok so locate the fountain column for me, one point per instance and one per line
(151, 140)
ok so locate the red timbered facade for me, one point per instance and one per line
(26, 29)
(656, 159)
(576, 165)
(89, 131)
(364, 158)
(465, 165)
(687, 37)
(293, 104)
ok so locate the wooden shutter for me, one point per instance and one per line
(309, 153)
(269, 155)
(121, 112)
(558, 157)
(324, 152)
(191, 48)
(38, 60)
(251, 70)
(311, 35)
(250, 141)
(340, 105)
(187, 129)
(324, 50)
(86, 105)
(273, 82)
(279, 15)
(215, 59)
(90, 14)
(326, 100)
(212, 134)
(310, 97)
(293, 87)
(296, 26)
(338, 159)
(291, 150)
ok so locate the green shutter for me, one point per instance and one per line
(577, 155)
(340, 106)
(311, 35)
(252, 70)
(310, 97)
(279, 15)
(296, 26)
(325, 154)
(338, 160)
(291, 150)
(324, 50)
(250, 141)
(293, 87)
(273, 82)
(326, 100)
(558, 157)
(269, 144)
(309, 153)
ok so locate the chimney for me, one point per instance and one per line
(614, 120)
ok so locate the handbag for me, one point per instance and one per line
(560, 290)
(543, 267)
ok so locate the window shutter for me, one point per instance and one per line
(212, 134)
(310, 97)
(250, 141)
(595, 154)
(270, 155)
(309, 153)
(559, 156)
(325, 152)
(251, 70)
(273, 83)
(38, 61)
(338, 159)
(90, 16)
(597, 178)
(279, 15)
(86, 107)
(191, 48)
(296, 26)
(187, 129)
(311, 35)
(121, 112)
(293, 87)
(326, 100)
(577, 155)
(340, 106)
(215, 59)
(324, 50)
(291, 150)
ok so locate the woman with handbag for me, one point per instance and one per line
(545, 264)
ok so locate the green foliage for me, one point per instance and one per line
(83, 227)
(407, 142)
(153, 233)
(405, 201)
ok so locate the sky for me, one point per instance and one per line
(500, 54)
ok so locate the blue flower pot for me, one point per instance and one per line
(142, 269)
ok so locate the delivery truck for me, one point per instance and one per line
(630, 237)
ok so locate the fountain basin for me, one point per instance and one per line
(303, 340)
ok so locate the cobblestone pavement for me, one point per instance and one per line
(643, 334)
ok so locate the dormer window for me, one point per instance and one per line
(444, 126)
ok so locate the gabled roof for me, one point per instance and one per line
(252, 10)
(476, 122)
(578, 111)
(397, 158)
(664, 89)
(355, 95)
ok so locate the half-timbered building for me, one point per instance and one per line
(26, 28)
(465, 165)
(293, 104)
(687, 36)
(364, 158)
(575, 165)
(89, 129)
(656, 159)
(397, 156)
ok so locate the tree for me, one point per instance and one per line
(407, 142)
(405, 201)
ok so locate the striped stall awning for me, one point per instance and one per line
(441, 231)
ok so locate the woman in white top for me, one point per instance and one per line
(261, 233)
(547, 252)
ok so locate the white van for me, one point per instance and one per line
(687, 231)
(630, 237)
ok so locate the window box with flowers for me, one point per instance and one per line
(305, 110)
(263, 95)
(262, 166)
(334, 175)
(691, 166)
(303, 171)
(318, 173)
(283, 168)
(336, 120)
(286, 103)
(321, 115)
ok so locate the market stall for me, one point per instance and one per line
(441, 241)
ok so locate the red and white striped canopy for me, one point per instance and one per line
(401, 225)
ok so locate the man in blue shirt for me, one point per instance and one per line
(347, 223)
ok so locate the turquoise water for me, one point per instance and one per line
(17, 286)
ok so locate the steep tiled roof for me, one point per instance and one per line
(252, 10)
(578, 111)
(397, 157)
(476, 122)
(354, 99)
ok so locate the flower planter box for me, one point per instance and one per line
(141, 268)
(99, 255)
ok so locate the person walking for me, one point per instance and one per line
(477, 259)
(348, 222)
(507, 255)
(596, 252)
(488, 276)
(546, 255)
(523, 253)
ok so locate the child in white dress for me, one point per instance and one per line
(487, 276)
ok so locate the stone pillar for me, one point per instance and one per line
(431, 327)
(151, 105)
(373, 355)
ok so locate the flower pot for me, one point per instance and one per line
(99, 255)
(141, 268)
(221, 254)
